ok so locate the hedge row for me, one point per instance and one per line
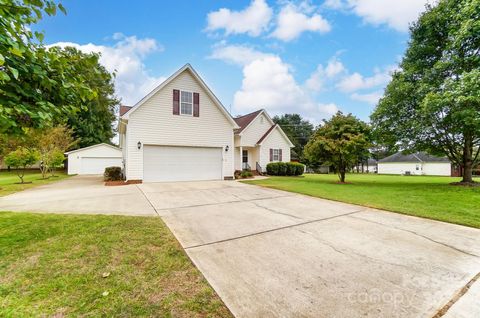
(285, 169)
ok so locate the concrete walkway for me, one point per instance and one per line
(271, 253)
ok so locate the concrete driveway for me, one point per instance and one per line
(271, 253)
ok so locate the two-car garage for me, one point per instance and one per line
(176, 163)
(93, 159)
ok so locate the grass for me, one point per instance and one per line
(9, 180)
(423, 196)
(53, 265)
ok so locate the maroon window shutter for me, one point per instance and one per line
(176, 102)
(271, 154)
(196, 104)
(279, 154)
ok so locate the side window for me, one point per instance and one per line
(186, 103)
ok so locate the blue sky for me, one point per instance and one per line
(307, 57)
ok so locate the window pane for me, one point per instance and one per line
(186, 97)
(186, 108)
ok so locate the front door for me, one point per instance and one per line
(245, 159)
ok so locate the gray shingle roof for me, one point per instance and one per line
(413, 157)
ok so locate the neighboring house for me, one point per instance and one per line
(180, 132)
(259, 141)
(93, 159)
(369, 166)
(419, 163)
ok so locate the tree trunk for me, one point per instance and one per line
(342, 175)
(467, 161)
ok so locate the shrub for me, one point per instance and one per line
(246, 174)
(291, 169)
(282, 168)
(272, 168)
(299, 169)
(285, 169)
(112, 174)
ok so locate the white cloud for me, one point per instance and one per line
(125, 57)
(268, 83)
(371, 98)
(396, 14)
(253, 20)
(316, 81)
(356, 81)
(293, 20)
(236, 54)
(327, 110)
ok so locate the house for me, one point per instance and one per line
(368, 166)
(93, 159)
(180, 132)
(259, 141)
(419, 163)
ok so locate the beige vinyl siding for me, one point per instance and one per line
(426, 168)
(154, 124)
(277, 141)
(255, 131)
(97, 151)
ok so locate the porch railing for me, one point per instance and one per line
(259, 168)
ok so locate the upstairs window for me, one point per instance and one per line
(186, 103)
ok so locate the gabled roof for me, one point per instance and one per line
(186, 67)
(93, 146)
(413, 157)
(276, 126)
(124, 109)
(245, 120)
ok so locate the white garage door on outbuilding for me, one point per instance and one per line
(93, 159)
(172, 163)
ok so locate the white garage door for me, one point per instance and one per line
(163, 163)
(97, 165)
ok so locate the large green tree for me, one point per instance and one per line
(341, 142)
(298, 130)
(37, 85)
(93, 123)
(433, 101)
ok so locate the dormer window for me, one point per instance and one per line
(186, 103)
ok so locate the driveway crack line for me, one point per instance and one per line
(219, 203)
(420, 235)
(148, 200)
(273, 230)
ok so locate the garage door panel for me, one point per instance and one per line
(97, 165)
(164, 163)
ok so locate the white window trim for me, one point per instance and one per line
(180, 103)
(277, 155)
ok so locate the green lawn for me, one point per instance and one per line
(429, 197)
(53, 265)
(9, 180)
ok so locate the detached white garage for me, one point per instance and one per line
(93, 159)
(176, 163)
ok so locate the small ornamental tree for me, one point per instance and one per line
(20, 159)
(339, 142)
(56, 159)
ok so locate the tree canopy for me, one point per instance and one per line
(43, 87)
(36, 84)
(341, 142)
(298, 130)
(433, 101)
(92, 124)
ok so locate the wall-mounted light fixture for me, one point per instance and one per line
(226, 148)
(139, 145)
